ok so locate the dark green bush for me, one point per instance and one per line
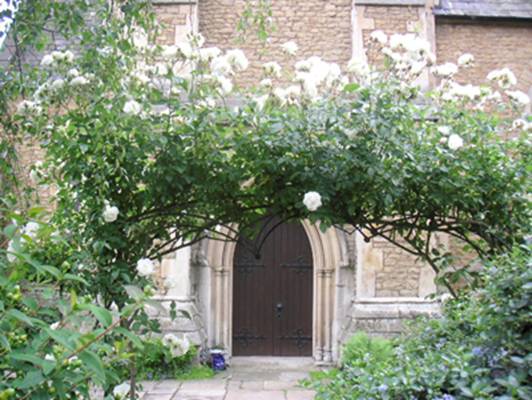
(480, 347)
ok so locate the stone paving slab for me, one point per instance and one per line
(248, 378)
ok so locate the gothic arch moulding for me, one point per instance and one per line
(328, 253)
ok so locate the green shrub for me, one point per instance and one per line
(480, 347)
(360, 346)
(158, 362)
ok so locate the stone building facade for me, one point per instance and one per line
(356, 285)
(371, 286)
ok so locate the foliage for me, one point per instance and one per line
(361, 345)
(54, 343)
(158, 362)
(480, 348)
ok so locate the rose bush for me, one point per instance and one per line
(480, 348)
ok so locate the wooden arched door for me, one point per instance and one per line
(272, 292)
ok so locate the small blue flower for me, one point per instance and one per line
(477, 351)
(448, 397)
(382, 388)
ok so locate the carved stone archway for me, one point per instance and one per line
(328, 253)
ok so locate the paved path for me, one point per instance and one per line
(248, 378)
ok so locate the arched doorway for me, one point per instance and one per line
(329, 259)
(273, 292)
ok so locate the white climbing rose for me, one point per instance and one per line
(518, 97)
(121, 391)
(237, 59)
(446, 70)
(504, 77)
(290, 47)
(145, 267)
(47, 60)
(312, 200)
(379, 36)
(178, 347)
(79, 81)
(466, 59)
(110, 213)
(132, 107)
(455, 142)
(444, 130)
(272, 68)
(31, 229)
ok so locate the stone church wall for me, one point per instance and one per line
(495, 44)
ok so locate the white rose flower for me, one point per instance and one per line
(185, 49)
(221, 66)
(28, 107)
(444, 130)
(290, 47)
(209, 53)
(396, 41)
(504, 77)
(519, 123)
(379, 36)
(145, 267)
(466, 60)
(140, 38)
(132, 107)
(266, 83)
(58, 55)
(79, 81)
(303, 65)
(122, 391)
(272, 68)
(68, 56)
(72, 73)
(57, 84)
(31, 229)
(110, 213)
(357, 67)
(455, 142)
(178, 347)
(169, 51)
(312, 200)
(237, 59)
(445, 70)
(226, 85)
(47, 60)
(518, 97)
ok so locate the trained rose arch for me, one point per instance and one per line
(151, 148)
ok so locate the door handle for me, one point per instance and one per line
(279, 308)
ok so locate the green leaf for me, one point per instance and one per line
(137, 342)
(102, 315)
(134, 292)
(93, 363)
(32, 378)
(60, 336)
(20, 316)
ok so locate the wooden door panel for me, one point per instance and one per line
(279, 274)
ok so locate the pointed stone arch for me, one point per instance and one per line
(329, 253)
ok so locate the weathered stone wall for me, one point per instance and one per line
(319, 27)
(494, 44)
